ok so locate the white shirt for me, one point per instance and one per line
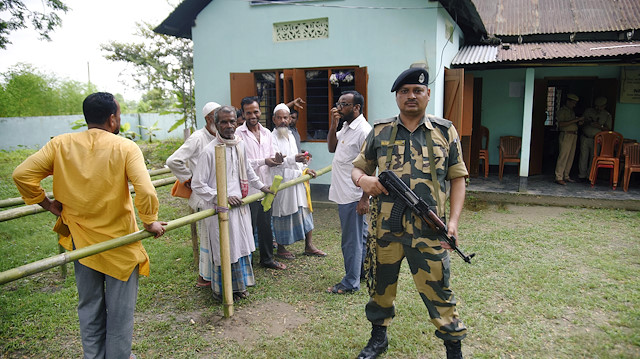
(183, 162)
(257, 152)
(350, 139)
(287, 201)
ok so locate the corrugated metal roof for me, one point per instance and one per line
(527, 17)
(485, 54)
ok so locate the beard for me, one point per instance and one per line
(282, 132)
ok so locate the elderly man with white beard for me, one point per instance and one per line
(292, 218)
(240, 176)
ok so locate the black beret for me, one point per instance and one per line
(412, 76)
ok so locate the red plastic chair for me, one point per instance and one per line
(509, 151)
(631, 163)
(607, 149)
(483, 154)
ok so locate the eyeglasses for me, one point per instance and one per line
(343, 104)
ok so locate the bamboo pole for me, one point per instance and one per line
(223, 222)
(63, 267)
(10, 202)
(51, 262)
(14, 213)
(194, 242)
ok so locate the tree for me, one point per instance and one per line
(19, 16)
(163, 67)
(24, 91)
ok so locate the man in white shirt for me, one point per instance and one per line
(260, 153)
(182, 164)
(240, 177)
(291, 217)
(353, 204)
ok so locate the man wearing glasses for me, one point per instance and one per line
(352, 203)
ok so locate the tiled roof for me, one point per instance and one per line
(526, 17)
(486, 54)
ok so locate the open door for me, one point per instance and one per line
(458, 107)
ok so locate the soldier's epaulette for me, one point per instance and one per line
(384, 121)
(439, 120)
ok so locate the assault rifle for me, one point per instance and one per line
(405, 197)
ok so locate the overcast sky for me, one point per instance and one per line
(85, 26)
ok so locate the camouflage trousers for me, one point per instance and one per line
(430, 270)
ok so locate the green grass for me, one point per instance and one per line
(547, 282)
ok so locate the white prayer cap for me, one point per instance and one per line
(209, 107)
(281, 107)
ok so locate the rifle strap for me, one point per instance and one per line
(434, 173)
(371, 257)
(392, 143)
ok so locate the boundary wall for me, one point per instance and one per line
(35, 132)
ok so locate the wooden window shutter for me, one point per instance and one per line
(241, 85)
(300, 90)
(362, 79)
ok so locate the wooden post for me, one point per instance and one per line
(223, 222)
(63, 266)
(194, 242)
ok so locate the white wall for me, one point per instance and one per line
(35, 132)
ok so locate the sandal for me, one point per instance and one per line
(240, 295)
(339, 289)
(274, 265)
(202, 283)
(315, 253)
(286, 255)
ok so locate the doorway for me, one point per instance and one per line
(549, 96)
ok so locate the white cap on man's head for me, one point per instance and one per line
(281, 106)
(208, 107)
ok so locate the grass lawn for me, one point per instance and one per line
(547, 282)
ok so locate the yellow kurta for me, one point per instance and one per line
(90, 171)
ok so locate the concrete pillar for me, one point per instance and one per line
(527, 116)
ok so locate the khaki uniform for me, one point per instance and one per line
(567, 140)
(428, 261)
(591, 115)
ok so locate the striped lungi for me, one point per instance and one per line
(292, 228)
(241, 276)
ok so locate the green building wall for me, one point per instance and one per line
(386, 37)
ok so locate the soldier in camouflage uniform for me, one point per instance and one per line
(407, 137)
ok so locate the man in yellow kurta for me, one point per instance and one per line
(90, 172)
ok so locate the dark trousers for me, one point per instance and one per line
(262, 221)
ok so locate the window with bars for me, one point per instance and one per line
(319, 88)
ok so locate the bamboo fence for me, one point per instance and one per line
(26, 210)
(63, 258)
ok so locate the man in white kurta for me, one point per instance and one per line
(291, 216)
(182, 163)
(239, 176)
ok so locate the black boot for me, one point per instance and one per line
(377, 344)
(454, 349)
